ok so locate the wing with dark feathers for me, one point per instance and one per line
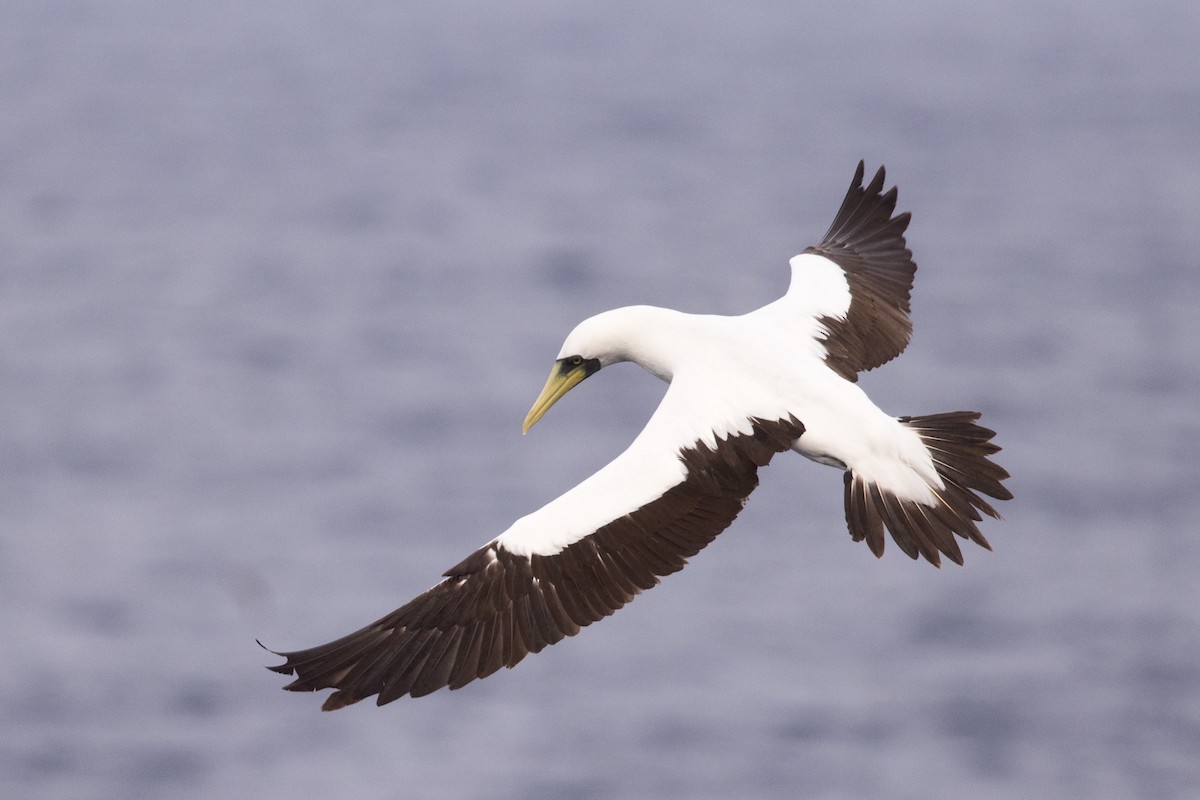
(495, 607)
(867, 242)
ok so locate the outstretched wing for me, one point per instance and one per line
(862, 310)
(530, 588)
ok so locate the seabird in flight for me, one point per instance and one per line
(741, 389)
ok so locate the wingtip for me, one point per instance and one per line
(283, 669)
(860, 172)
(334, 702)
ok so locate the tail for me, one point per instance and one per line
(959, 449)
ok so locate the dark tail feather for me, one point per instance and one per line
(960, 451)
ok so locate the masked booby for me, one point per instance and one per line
(741, 389)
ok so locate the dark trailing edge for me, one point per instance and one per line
(868, 243)
(494, 608)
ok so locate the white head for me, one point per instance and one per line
(623, 334)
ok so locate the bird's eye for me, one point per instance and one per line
(576, 361)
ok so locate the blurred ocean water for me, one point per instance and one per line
(278, 282)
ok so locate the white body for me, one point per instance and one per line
(723, 371)
(740, 388)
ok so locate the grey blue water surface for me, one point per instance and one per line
(279, 281)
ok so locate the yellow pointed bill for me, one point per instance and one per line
(563, 378)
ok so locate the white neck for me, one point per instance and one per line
(648, 336)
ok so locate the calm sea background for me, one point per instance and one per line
(279, 281)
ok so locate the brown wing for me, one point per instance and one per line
(867, 242)
(495, 607)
